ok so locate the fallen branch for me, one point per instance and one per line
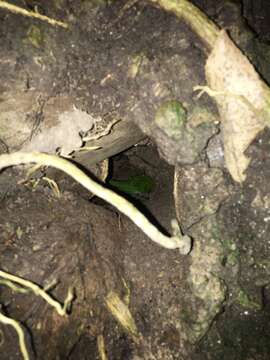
(177, 241)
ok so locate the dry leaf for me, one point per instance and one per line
(240, 100)
(61, 128)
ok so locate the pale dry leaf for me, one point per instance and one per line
(230, 73)
(63, 133)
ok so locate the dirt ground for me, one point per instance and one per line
(211, 304)
(96, 249)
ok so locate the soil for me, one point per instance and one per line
(211, 304)
(94, 248)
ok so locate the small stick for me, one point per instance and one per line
(18, 10)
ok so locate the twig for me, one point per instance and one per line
(18, 10)
(177, 241)
(13, 287)
(37, 290)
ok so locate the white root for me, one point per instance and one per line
(177, 241)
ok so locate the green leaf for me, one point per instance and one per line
(139, 184)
